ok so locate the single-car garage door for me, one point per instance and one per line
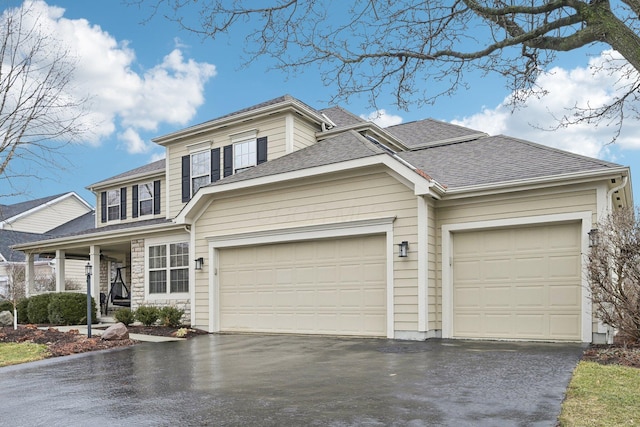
(518, 283)
(333, 286)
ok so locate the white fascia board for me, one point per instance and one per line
(534, 183)
(290, 104)
(421, 186)
(46, 205)
(98, 238)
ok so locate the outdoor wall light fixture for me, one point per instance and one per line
(199, 263)
(594, 238)
(403, 249)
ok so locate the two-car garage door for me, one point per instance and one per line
(332, 286)
(518, 283)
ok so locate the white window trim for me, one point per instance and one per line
(323, 231)
(252, 161)
(166, 241)
(447, 253)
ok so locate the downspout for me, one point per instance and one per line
(625, 180)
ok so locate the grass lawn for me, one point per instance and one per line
(600, 395)
(13, 353)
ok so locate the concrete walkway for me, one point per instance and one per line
(253, 380)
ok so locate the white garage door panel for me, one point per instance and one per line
(317, 287)
(518, 283)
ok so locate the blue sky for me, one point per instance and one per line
(149, 79)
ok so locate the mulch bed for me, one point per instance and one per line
(65, 343)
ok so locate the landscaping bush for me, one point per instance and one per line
(23, 313)
(125, 316)
(171, 316)
(70, 309)
(38, 308)
(6, 306)
(148, 315)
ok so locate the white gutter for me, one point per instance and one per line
(539, 182)
(625, 180)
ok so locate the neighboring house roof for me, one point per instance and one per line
(9, 211)
(497, 159)
(148, 169)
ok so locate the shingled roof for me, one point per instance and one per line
(496, 159)
(430, 132)
(346, 146)
(9, 211)
(150, 168)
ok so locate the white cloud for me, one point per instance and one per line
(133, 142)
(382, 118)
(580, 86)
(169, 92)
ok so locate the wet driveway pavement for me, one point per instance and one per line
(220, 380)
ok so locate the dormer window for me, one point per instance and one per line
(113, 205)
(200, 170)
(244, 155)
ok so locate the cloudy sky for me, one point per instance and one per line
(147, 78)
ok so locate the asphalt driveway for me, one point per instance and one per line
(221, 380)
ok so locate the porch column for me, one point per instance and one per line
(29, 274)
(60, 273)
(94, 259)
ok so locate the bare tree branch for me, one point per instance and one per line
(38, 116)
(366, 46)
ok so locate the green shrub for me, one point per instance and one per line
(23, 313)
(38, 308)
(125, 316)
(171, 316)
(6, 306)
(70, 309)
(148, 315)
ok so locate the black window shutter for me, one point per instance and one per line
(215, 164)
(228, 160)
(103, 206)
(123, 203)
(134, 201)
(156, 197)
(186, 178)
(262, 150)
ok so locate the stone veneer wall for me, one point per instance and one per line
(105, 280)
(138, 285)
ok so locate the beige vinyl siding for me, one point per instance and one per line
(512, 205)
(75, 278)
(340, 198)
(50, 217)
(129, 189)
(273, 128)
(303, 134)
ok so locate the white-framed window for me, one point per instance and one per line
(113, 205)
(168, 265)
(244, 154)
(200, 170)
(145, 199)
